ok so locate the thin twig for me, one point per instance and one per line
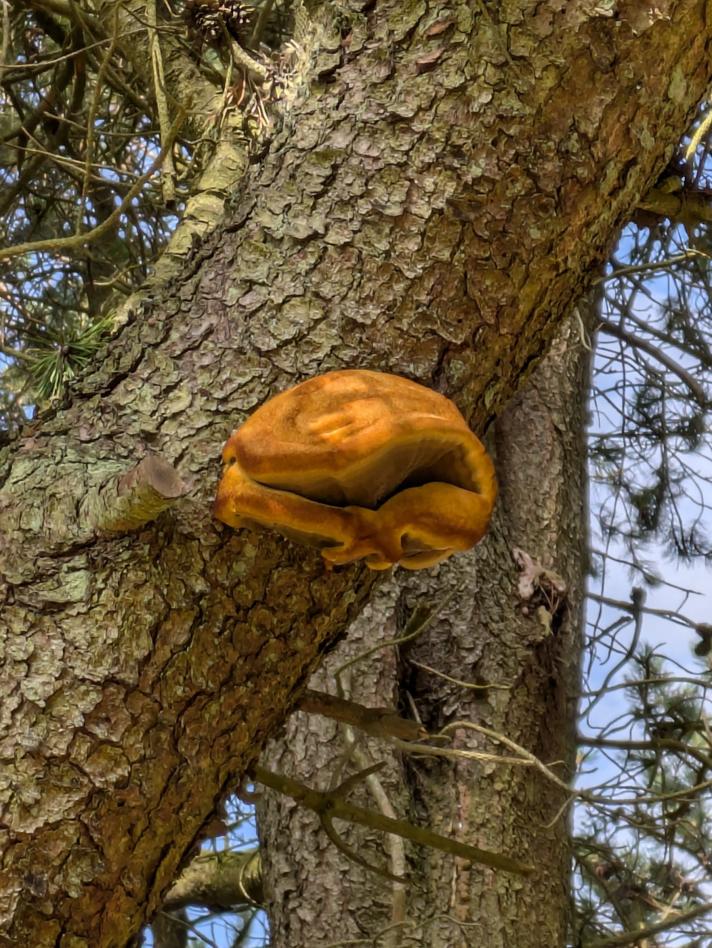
(159, 86)
(5, 36)
(91, 121)
(80, 240)
(630, 938)
(659, 355)
(474, 686)
(417, 624)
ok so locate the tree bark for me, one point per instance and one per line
(431, 208)
(525, 677)
(532, 646)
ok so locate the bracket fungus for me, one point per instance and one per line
(362, 465)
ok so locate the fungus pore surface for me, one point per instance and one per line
(363, 465)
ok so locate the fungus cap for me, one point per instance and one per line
(363, 465)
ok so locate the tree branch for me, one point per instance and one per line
(660, 356)
(330, 804)
(378, 722)
(637, 936)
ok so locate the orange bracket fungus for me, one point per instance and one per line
(362, 465)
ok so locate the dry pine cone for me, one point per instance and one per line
(211, 19)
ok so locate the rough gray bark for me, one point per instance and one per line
(431, 208)
(316, 895)
(541, 460)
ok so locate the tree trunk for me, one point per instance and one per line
(431, 208)
(525, 669)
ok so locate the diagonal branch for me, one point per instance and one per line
(662, 357)
(332, 805)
